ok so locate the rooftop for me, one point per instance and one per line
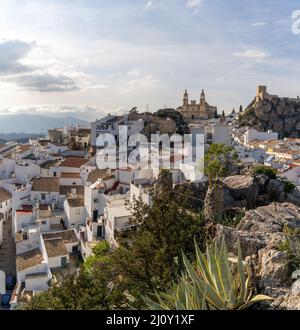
(55, 247)
(29, 259)
(68, 236)
(45, 184)
(4, 195)
(76, 202)
(66, 190)
(97, 174)
(74, 162)
(50, 163)
(70, 175)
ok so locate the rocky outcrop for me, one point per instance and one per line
(181, 124)
(214, 205)
(281, 115)
(261, 234)
(245, 192)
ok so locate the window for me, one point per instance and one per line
(43, 197)
(44, 222)
(209, 136)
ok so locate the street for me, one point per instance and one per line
(7, 251)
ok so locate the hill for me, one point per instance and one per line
(272, 112)
(35, 124)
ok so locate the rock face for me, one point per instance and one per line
(245, 192)
(214, 204)
(181, 124)
(260, 234)
(243, 189)
(281, 115)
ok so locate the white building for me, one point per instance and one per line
(75, 211)
(45, 191)
(110, 124)
(116, 218)
(25, 171)
(252, 135)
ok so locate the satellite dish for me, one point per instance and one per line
(2, 282)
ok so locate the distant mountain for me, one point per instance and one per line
(19, 137)
(35, 124)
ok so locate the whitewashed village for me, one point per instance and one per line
(56, 205)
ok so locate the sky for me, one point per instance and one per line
(91, 57)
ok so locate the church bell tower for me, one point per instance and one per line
(186, 98)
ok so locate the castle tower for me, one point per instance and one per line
(202, 98)
(261, 92)
(186, 98)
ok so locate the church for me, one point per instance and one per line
(192, 111)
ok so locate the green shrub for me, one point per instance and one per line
(101, 248)
(289, 187)
(269, 171)
(291, 245)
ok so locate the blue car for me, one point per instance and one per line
(5, 299)
(10, 282)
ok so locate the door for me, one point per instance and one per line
(64, 262)
(99, 231)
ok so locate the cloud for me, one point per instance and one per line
(220, 79)
(148, 4)
(257, 24)
(143, 81)
(193, 4)
(62, 110)
(33, 67)
(134, 73)
(11, 54)
(45, 82)
(251, 54)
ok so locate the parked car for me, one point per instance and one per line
(10, 282)
(5, 300)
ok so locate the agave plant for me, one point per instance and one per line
(211, 284)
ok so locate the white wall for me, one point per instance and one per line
(40, 283)
(94, 200)
(7, 168)
(70, 182)
(55, 262)
(21, 220)
(24, 174)
(41, 268)
(50, 197)
(76, 216)
(252, 135)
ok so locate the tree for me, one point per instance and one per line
(219, 161)
(241, 108)
(98, 287)
(146, 259)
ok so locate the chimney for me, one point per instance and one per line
(73, 194)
